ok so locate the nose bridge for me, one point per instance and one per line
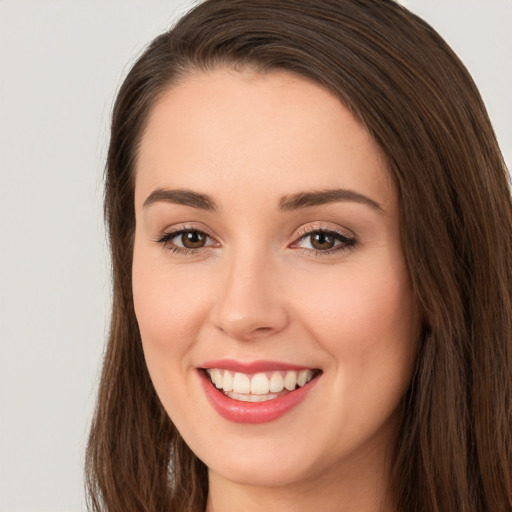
(249, 303)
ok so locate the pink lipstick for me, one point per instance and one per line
(255, 392)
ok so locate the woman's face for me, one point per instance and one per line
(267, 252)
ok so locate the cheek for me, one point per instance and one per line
(168, 304)
(363, 316)
(364, 320)
(352, 308)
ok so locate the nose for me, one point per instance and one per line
(250, 304)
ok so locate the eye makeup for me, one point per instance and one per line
(315, 240)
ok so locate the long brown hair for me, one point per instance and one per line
(398, 76)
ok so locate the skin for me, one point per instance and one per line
(259, 290)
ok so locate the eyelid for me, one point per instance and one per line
(324, 227)
(171, 232)
(347, 237)
(187, 226)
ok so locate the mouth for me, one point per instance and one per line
(261, 386)
(256, 392)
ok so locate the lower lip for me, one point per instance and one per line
(253, 412)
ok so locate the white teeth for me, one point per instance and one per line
(290, 380)
(236, 384)
(251, 398)
(228, 381)
(259, 384)
(276, 383)
(302, 377)
(217, 378)
(241, 383)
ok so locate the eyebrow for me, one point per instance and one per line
(183, 197)
(307, 199)
(286, 203)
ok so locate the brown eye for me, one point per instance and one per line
(187, 241)
(322, 241)
(193, 239)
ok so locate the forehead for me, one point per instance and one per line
(272, 133)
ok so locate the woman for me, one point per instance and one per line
(310, 224)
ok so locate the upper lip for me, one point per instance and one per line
(252, 366)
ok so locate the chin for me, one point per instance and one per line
(267, 471)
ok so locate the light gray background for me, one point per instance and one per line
(60, 65)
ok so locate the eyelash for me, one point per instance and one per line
(346, 242)
(166, 237)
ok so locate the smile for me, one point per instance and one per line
(256, 392)
(258, 387)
